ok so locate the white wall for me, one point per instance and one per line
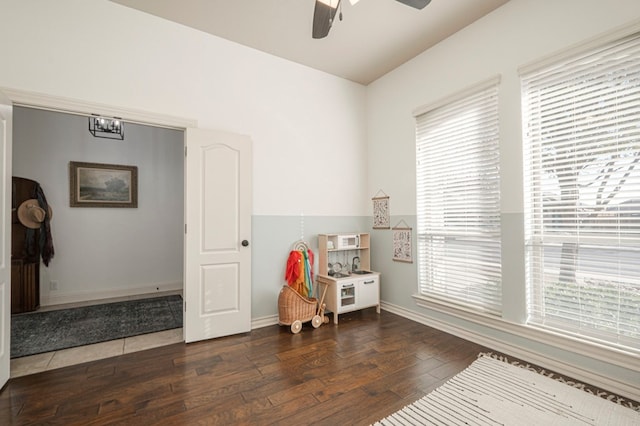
(520, 32)
(301, 120)
(105, 252)
(304, 123)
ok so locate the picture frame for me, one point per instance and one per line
(402, 245)
(102, 185)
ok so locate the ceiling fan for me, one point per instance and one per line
(325, 12)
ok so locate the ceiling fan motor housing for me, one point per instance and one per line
(324, 14)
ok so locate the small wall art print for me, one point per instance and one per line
(102, 185)
(402, 246)
(381, 212)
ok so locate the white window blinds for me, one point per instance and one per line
(581, 119)
(458, 200)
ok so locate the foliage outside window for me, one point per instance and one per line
(581, 123)
(458, 200)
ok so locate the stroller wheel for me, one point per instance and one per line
(296, 326)
(316, 321)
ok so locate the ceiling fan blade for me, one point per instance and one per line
(323, 16)
(418, 4)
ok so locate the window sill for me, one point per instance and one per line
(628, 359)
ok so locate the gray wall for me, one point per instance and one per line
(273, 239)
(105, 252)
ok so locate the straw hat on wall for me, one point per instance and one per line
(31, 215)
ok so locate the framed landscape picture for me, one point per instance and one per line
(102, 185)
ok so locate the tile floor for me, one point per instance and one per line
(65, 357)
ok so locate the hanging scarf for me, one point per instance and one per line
(45, 243)
(307, 272)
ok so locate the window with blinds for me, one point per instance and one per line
(581, 123)
(458, 199)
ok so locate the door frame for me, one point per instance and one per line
(84, 108)
(71, 106)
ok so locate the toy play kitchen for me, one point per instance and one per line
(344, 267)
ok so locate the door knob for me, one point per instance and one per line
(245, 243)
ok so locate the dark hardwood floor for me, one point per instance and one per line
(356, 373)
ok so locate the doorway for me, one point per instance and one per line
(226, 255)
(106, 253)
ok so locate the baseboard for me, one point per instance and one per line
(87, 296)
(627, 390)
(264, 321)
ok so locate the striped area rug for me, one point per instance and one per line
(493, 392)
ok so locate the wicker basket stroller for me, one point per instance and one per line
(294, 309)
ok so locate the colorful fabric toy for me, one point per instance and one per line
(299, 273)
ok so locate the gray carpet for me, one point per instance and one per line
(39, 332)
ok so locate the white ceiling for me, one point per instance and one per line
(374, 37)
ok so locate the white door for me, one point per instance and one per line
(218, 233)
(5, 232)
